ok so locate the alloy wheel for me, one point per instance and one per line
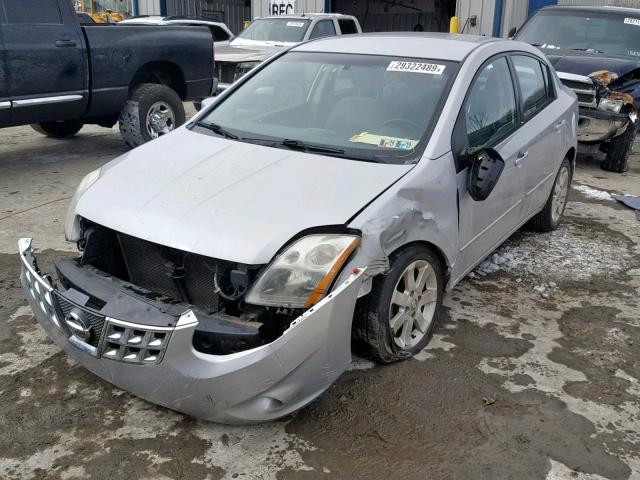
(160, 119)
(560, 193)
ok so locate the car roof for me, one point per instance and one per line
(442, 46)
(607, 9)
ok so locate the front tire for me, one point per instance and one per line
(64, 129)
(617, 159)
(395, 321)
(550, 217)
(151, 111)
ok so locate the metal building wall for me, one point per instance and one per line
(260, 8)
(148, 7)
(231, 12)
(483, 9)
(514, 14)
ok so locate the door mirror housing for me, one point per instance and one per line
(512, 32)
(485, 167)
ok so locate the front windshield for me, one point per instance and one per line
(365, 107)
(584, 31)
(276, 30)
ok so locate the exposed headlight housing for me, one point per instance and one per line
(610, 105)
(301, 275)
(243, 68)
(71, 222)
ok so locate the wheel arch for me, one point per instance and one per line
(444, 261)
(164, 73)
(571, 155)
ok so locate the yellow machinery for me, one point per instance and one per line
(100, 15)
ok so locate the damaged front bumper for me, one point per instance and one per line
(149, 351)
(597, 125)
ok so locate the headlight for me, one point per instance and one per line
(242, 68)
(303, 273)
(71, 225)
(610, 105)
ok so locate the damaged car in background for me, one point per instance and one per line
(596, 52)
(227, 269)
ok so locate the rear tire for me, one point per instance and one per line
(64, 129)
(617, 159)
(373, 334)
(152, 110)
(552, 214)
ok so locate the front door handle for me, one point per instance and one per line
(520, 158)
(65, 43)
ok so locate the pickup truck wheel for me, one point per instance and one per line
(151, 111)
(62, 129)
(617, 159)
(396, 319)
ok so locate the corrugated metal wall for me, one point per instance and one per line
(231, 12)
(513, 15)
(483, 9)
(260, 8)
(148, 7)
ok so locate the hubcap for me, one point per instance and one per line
(560, 192)
(413, 304)
(160, 119)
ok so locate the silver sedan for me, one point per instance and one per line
(326, 200)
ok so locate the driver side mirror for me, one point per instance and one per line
(512, 32)
(485, 168)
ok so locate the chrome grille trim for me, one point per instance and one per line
(133, 343)
(583, 88)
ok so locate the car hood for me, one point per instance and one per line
(584, 63)
(229, 200)
(236, 54)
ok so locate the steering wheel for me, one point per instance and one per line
(403, 121)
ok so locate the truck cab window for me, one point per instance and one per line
(219, 35)
(324, 28)
(32, 11)
(347, 26)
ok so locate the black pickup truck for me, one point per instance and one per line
(596, 52)
(58, 75)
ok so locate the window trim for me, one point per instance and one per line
(549, 87)
(460, 137)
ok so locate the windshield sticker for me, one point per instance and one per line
(634, 53)
(295, 24)
(417, 67)
(632, 21)
(385, 142)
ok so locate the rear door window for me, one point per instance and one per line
(32, 12)
(532, 79)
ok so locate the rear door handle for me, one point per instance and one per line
(65, 43)
(559, 125)
(520, 158)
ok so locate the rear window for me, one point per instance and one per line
(347, 26)
(32, 11)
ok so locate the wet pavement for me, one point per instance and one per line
(534, 371)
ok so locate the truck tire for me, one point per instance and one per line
(64, 129)
(398, 301)
(550, 217)
(617, 159)
(152, 110)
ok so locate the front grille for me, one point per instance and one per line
(180, 275)
(134, 343)
(226, 72)
(96, 321)
(586, 92)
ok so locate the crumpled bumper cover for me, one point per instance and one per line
(251, 386)
(597, 125)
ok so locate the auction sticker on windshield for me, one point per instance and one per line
(417, 67)
(632, 21)
(295, 24)
(384, 141)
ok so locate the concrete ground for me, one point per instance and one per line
(534, 371)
